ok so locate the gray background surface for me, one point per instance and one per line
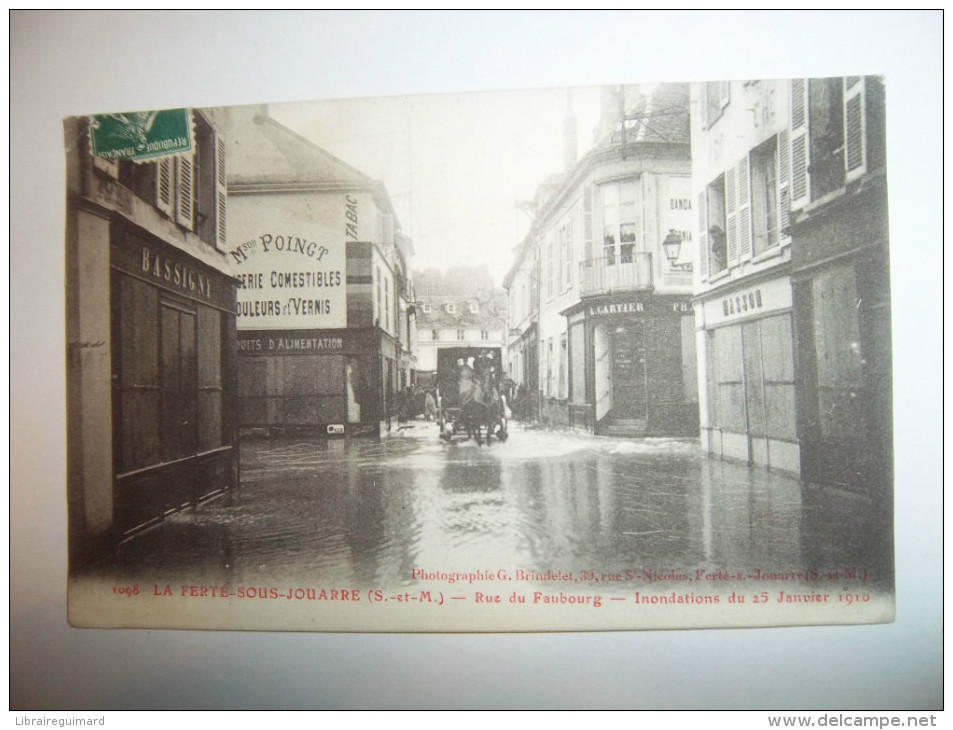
(67, 63)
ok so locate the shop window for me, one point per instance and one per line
(764, 195)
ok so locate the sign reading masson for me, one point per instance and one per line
(292, 269)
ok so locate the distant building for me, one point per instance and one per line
(601, 326)
(324, 334)
(447, 321)
(150, 328)
(793, 298)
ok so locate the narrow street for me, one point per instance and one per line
(369, 512)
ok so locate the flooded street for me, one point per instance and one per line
(370, 513)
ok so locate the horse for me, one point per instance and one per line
(482, 407)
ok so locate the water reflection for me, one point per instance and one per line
(369, 513)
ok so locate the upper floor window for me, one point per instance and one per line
(190, 189)
(717, 225)
(434, 335)
(484, 334)
(764, 195)
(717, 96)
(619, 224)
(426, 307)
(565, 252)
(550, 268)
(451, 308)
(461, 335)
(826, 132)
(836, 133)
(474, 308)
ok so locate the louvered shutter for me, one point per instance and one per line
(784, 184)
(702, 236)
(799, 150)
(185, 191)
(855, 157)
(744, 210)
(731, 214)
(221, 193)
(164, 185)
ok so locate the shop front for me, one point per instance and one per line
(748, 410)
(312, 382)
(173, 376)
(842, 318)
(632, 366)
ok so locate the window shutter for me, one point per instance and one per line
(799, 148)
(731, 214)
(702, 236)
(221, 193)
(164, 185)
(784, 183)
(854, 129)
(185, 191)
(744, 210)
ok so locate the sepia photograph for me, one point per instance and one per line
(476, 360)
(620, 359)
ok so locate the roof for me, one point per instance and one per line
(264, 155)
(491, 314)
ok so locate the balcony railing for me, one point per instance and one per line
(620, 274)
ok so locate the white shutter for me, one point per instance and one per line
(164, 185)
(800, 183)
(221, 193)
(784, 183)
(185, 191)
(855, 132)
(731, 214)
(702, 235)
(744, 210)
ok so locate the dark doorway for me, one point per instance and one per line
(628, 371)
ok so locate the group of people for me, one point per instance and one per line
(474, 377)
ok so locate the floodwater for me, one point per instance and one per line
(370, 513)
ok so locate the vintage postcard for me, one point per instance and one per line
(602, 358)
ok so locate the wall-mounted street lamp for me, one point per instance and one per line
(672, 245)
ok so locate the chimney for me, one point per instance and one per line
(570, 144)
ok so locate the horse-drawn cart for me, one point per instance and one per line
(470, 401)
